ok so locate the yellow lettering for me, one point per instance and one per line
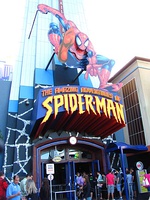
(48, 107)
(100, 105)
(80, 103)
(58, 102)
(89, 103)
(119, 110)
(73, 102)
(111, 108)
(66, 104)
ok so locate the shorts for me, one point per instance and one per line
(88, 198)
(118, 187)
(99, 190)
(148, 188)
(134, 187)
(110, 188)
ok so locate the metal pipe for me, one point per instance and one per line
(32, 24)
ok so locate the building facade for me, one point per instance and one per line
(135, 94)
(31, 139)
(51, 114)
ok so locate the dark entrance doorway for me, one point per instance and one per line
(65, 176)
(62, 170)
(86, 156)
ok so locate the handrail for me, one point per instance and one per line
(65, 191)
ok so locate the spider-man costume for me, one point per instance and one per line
(76, 50)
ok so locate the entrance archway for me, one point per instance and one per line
(92, 158)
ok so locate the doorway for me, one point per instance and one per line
(85, 156)
(62, 170)
(65, 176)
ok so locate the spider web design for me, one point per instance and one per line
(17, 154)
(17, 143)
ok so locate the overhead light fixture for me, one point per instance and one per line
(72, 140)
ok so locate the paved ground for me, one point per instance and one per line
(140, 197)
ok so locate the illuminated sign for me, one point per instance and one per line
(73, 101)
(57, 159)
(76, 108)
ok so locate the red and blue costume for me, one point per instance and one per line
(76, 50)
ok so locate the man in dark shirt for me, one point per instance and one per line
(118, 182)
(93, 182)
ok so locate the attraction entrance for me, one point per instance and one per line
(82, 113)
(86, 155)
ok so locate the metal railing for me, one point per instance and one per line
(61, 192)
(65, 191)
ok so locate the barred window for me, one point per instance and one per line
(133, 114)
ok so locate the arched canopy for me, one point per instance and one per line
(118, 146)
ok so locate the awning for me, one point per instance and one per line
(78, 109)
(117, 146)
(123, 148)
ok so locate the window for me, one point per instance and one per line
(77, 154)
(133, 113)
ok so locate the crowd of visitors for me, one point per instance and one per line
(109, 186)
(88, 186)
(24, 189)
(23, 186)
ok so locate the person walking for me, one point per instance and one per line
(23, 186)
(31, 189)
(3, 186)
(92, 183)
(45, 190)
(110, 184)
(13, 189)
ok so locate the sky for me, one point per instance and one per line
(11, 15)
(118, 29)
(122, 29)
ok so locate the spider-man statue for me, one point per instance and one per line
(76, 50)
